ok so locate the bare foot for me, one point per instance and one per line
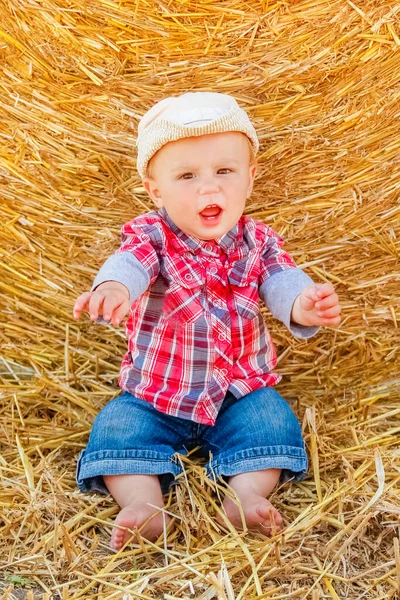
(258, 512)
(134, 517)
(252, 488)
(137, 496)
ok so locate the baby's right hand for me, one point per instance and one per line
(110, 299)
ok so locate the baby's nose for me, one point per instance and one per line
(208, 187)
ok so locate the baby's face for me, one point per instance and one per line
(203, 182)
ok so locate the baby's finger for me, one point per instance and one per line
(95, 305)
(330, 312)
(81, 304)
(110, 304)
(120, 313)
(331, 322)
(327, 302)
(324, 289)
(308, 297)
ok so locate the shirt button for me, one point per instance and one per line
(213, 270)
(221, 337)
(208, 248)
(224, 372)
(188, 277)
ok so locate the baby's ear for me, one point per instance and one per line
(252, 174)
(151, 188)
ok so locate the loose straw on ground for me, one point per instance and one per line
(320, 80)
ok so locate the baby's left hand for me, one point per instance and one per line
(317, 305)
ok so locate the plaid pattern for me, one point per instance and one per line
(197, 331)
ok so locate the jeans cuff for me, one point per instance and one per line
(292, 460)
(91, 468)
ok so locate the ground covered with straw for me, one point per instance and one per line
(320, 81)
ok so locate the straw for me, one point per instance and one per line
(320, 81)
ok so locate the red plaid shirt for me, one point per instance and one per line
(197, 331)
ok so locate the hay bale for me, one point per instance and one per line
(321, 82)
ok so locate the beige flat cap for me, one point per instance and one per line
(191, 114)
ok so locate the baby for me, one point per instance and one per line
(199, 366)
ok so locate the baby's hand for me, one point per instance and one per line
(318, 304)
(110, 299)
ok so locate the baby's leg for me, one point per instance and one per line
(137, 495)
(130, 437)
(254, 439)
(252, 489)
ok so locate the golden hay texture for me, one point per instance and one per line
(320, 80)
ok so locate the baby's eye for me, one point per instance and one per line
(187, 176)
(225, 171)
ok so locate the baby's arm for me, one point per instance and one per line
(317, 304)
(110, 299)
(123, 278)
(291, 295)
(279, 293)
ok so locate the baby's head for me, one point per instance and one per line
(196, 156)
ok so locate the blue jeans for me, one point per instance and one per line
(129, 436)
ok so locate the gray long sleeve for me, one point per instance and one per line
(126, 269)
(279, 293)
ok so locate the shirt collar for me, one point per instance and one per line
(227, 242)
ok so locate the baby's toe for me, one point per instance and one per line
(117, 539)
(264, 510)
(270, 516)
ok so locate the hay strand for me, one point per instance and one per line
(320, 80)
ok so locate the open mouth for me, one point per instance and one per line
(211, 212)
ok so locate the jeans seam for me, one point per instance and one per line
(242, 456)
(169, 466)
(300, 467)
